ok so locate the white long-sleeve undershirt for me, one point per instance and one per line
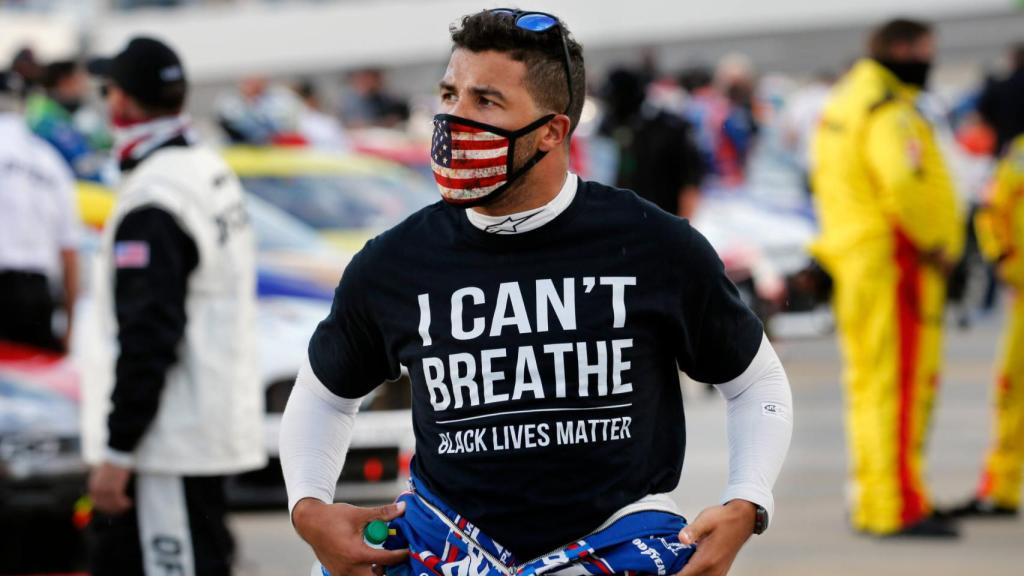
(759, 425)
(316, 430)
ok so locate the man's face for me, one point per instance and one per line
(118, 105)
(487, 87)
(924, 48)
(920, 50)
(366, 81)
(490, 87)
(73, 87)
(252, 87)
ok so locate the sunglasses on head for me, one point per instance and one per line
(541, 22)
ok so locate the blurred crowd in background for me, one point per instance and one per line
(671, 134)
(718, 118)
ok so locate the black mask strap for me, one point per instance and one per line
(532, 126)
(537, 157)
(495, 129)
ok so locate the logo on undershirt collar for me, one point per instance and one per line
(509, 225)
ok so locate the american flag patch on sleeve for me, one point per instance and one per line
(131, 254)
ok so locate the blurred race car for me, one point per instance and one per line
(346, 197)
(764, 250)
(41, 470)
(400, 147)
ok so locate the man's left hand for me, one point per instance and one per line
(108, 486)
(938, 260)
(719, 532)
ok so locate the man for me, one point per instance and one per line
(259, 113)
(171, 398)
(543, 321)
(54, 116)
(657, 157)
(735, 79)
(721, 111)
(368, 103)
(891, 229)
(1000, 227)
(1000, 103)
(320, 129)
(706, 110)
(38, 231)
(26, 73)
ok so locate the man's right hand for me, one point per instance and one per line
(937, 259)
(335, 531)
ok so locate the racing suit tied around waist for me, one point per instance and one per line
(640, 538)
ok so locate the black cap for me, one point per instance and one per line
(147, 70)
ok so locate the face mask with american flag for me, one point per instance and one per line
(472, 161)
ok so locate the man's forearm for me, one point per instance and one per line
(316, 431)
(760, 425)
(69, 264)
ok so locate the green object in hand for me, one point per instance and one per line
(376, 532)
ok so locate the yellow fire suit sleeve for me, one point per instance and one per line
(913, 183)
(1000, 225)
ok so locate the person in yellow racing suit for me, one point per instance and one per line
(1000, 228)
(891, 228)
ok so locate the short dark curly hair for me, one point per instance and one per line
(541, 52)
(896, 32)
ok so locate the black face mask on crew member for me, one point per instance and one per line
(912, 72)
(71, 105)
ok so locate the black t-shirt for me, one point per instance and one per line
(544, 364)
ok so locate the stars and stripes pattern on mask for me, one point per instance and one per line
(468, 162)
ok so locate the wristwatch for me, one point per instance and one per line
(760, 519)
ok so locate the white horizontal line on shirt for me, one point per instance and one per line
(579, 409)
